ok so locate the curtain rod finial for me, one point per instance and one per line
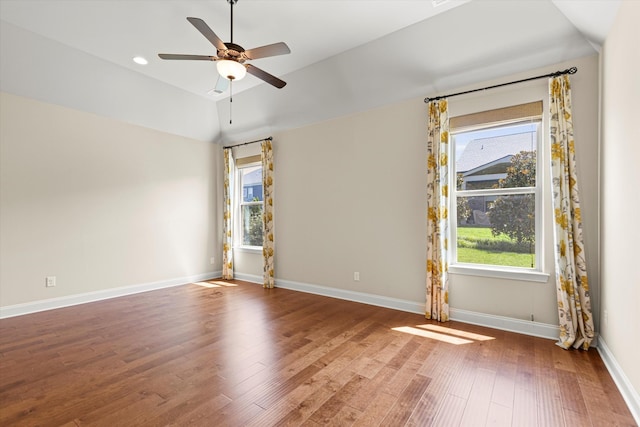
(437, 98)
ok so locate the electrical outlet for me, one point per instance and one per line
(212, 260)
(356, 276)
(606, 317)
(50, 281)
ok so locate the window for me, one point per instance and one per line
(495, 202)
(251, 205)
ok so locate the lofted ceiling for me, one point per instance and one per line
(347, 55)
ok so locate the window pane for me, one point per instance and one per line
(252, 225)
(251, 179)
(251, 208)
(496, 230)
(503, 157)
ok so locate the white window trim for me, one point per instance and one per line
(498, 272)
(536, 274)
(237, 221)
(249, 249)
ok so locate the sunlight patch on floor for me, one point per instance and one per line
(456, 332)
(215, 284)
(444, 334)
(433, 335)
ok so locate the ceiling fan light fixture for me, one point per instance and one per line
(231, 70)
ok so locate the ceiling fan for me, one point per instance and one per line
(231, 58)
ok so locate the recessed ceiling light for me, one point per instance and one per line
(140, 60)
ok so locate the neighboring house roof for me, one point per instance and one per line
(253, 178)
(495, 166)
(482, 151)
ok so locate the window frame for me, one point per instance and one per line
(535, 274)
(240, 203)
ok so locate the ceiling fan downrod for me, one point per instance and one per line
(232, 2)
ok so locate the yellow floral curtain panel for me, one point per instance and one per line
(227, 221)
(572, 286)
(268, 236)
(437, 305)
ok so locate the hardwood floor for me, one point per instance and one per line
(234, 354)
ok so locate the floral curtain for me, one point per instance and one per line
(437, 306)
(572, 286)
(227, 218)
(267, 218)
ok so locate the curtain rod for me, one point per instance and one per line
(270, 138)
(571, 70)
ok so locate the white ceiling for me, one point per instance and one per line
(347, 55)
(118, 30)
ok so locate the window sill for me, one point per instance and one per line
(523, 275)
(249, 249)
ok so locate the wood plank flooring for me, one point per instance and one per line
(234, 354)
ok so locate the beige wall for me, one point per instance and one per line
(99, 203)
(620, 195)
(350, 196)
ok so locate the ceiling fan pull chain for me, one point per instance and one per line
(230, 101)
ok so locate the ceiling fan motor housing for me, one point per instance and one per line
(233, 52)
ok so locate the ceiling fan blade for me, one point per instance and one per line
(188, 57)
(263, 75)
(207, 32)
(268, 50)
(221, 85)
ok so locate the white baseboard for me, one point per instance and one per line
(66, 301)
(489, 320)
(481, 319)
(464, 316)
(248, 278)
(628, 392)
(536, 329)
(371, 299)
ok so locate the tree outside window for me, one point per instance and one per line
(514, 216)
